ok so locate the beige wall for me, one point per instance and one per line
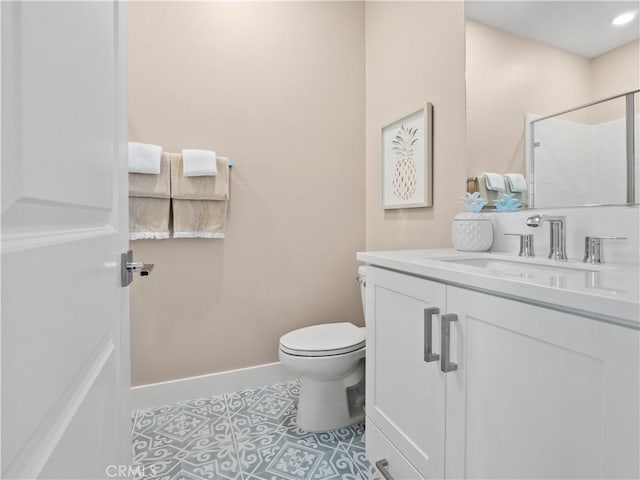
(415, 54)
(615, 72)
(507, 77)
(278, 87)
(625, 62)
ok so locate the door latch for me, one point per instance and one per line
(129, 267)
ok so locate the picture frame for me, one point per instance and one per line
(407, 161)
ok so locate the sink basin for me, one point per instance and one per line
(538, 271)
(511, 265)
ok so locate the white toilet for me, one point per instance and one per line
(330, 360)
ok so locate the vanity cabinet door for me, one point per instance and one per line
(539, 393)
(405, 394)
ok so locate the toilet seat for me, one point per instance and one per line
(323, 340)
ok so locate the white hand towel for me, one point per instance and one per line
(516, 181)
(199, 163)
(144, 158)
(494, 181)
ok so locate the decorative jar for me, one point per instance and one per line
(472, 232)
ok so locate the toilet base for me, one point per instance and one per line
(330, 404)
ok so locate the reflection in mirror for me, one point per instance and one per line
(539, 59)
(589, 147)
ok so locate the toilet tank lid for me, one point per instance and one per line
(324, 338)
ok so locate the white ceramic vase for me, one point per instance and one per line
(472, 232)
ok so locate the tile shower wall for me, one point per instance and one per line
(578, 164)
(249, 434)
(563, 163)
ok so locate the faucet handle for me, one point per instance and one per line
(526, 244)
(594, 250)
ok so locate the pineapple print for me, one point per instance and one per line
(404, 178)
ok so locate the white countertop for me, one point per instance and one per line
(609, 292)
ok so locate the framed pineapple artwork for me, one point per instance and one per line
(407, 161)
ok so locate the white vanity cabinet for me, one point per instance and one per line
(405, 394)
(539, 393)
(536, 392)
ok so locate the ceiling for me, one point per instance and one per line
(582, 27)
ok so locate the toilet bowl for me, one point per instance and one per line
(329, 358)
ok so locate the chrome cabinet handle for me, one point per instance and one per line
(445, 342)
(382, 465)
(429, 356)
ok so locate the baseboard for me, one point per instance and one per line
(182, 389)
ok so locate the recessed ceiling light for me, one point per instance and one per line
(624, 18)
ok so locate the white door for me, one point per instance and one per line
(406, 393)
(539, 393)
(65, 330)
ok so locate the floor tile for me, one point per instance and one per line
(209, 407)
(214, 462)
(169, 469)
(152, 418)
(263, 410)
(277, 456)
(134, 417)
(351, 435)
(248, 435)
(359, 457)
(312, 438)
(182, 425)
(175, 433)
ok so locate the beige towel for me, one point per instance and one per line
(148, 218)
(154, 186)
(199, 218)
(199, 203)
(199, 188)
(149, 203)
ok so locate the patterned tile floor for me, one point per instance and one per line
(247, 435)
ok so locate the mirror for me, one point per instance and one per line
(529, 60)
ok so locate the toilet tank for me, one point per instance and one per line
(362, 280)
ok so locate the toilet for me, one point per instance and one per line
(330, 360)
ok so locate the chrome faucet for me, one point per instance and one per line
(558, 233)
